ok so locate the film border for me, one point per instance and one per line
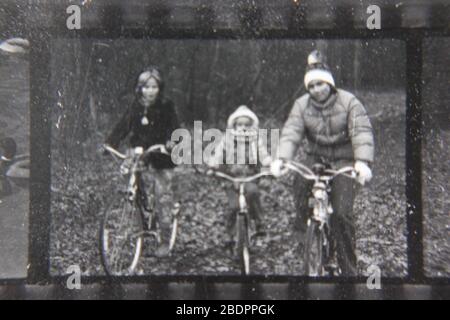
(110, 22)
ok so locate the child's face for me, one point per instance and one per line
(319, 90)
(243, 124)
(150, 90)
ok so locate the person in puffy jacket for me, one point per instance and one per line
(338, 132)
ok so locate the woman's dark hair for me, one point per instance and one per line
(9, 147)
(145, 75)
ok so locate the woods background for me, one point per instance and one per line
(94, 79)
(436, 156)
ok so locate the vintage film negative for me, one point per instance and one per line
(119, 119)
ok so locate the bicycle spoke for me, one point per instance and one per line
(122, 239)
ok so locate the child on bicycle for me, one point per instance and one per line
(339, 134)
(150, 120)
(8, 149)
(242, 128)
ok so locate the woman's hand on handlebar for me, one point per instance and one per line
(170, 145)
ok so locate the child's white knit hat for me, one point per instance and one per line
(243, 111)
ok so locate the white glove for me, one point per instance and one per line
(363, 171)
(275, 167)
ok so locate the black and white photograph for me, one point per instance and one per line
(15, 158)
(324, 198)
(220, 150)
(436, 157)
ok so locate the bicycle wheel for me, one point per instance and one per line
(174, 228)
(314, 254)
(242, 243)
(121, 238)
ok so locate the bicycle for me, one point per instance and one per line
(122, 228)
(242, 226)
(318, 237)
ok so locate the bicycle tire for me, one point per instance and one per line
(314, 250)
(120, 216)
(242, 249)
(173, 234)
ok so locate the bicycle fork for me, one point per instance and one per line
(242, 230)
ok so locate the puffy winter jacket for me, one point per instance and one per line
(339, 129)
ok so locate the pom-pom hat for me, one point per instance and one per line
(317, 69)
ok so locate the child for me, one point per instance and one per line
(150, 120)
(243, 127)
(8, 149)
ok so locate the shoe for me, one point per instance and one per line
(332, 269)
(162, 252)
(300, 240)
(229, 246)
(176, 210)
(260, 230)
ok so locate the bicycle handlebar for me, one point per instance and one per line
(155, 148)
(242, 179)
(348, 171)
(225, 176)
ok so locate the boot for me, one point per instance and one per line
(228, 244)
(260, 230)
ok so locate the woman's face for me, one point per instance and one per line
(150, 90)
(319, 90)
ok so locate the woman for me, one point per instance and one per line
(149, 120)
(339, 134)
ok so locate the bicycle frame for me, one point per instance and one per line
(134, 189)
(322, 208)
(243, 217)
(318, 230)
(241, 181)
(136, 168)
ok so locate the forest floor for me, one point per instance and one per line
(80, 185)
(436, 185)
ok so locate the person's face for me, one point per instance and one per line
(319, 90)
(243, 124)
(150, 90)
